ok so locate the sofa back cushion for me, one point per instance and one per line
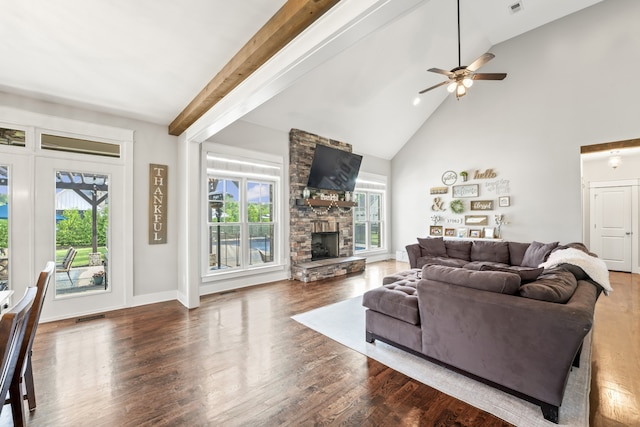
(432, 246)
(459, 249)
(492, 281)
(554, 285)
(516, 252)
(490, 251)
(537, 253)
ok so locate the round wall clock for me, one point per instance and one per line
(449, 178)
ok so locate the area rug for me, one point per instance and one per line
(344, 323)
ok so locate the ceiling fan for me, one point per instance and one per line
(462, 77)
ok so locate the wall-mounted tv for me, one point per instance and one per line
(334, 169)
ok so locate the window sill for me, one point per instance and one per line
(218, 275)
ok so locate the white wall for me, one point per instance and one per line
(154, 266)
(564, 89)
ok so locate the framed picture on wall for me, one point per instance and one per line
(450, 232)
(435, 230)
(469, 190)
(462, 232)
(489, 233)
(504, 201)
(475, 234)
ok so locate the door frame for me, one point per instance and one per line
(635, 219)
(29, 264)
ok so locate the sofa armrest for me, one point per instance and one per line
(413, 251)
(522, 344)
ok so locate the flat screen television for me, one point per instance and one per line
(334, 169)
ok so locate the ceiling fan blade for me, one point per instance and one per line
(480, 61)
(441, 71)
(489, 76)
(433, 87)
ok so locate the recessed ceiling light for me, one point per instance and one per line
(416, 101)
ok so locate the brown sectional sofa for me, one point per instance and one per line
(483, 313)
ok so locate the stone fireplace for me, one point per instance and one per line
(334, 221)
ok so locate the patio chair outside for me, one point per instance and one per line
(65, 265)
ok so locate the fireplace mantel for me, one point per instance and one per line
(325, 203)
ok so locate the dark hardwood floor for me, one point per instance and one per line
(240, 360)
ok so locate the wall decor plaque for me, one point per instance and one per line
(158, 180)
(476, 220)
(470, 190)
(449, 178)
(482, 205)
(439, 190)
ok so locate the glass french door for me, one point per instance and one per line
(79, 219)
(16, 220)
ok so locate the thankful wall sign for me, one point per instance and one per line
(158, 180)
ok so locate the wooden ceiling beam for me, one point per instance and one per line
(609, 146)
(292, 18)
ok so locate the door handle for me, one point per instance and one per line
(628, 233)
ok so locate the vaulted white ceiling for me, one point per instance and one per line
(147, 59)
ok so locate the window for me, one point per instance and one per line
(243, 222)
(368, 221)
(14, 137)
(368, 214)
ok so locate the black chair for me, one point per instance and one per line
(23, 372)
(12, 328)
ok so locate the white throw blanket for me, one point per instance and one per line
(594, 267)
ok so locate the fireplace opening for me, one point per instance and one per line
(324, 245)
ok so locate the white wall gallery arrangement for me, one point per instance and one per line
(469, 205)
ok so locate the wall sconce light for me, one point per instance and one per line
(615, 161)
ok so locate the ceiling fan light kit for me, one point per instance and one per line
(461, 77)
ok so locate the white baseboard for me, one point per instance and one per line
(154, 298)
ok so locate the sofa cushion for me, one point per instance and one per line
(492, 281)
(516, 252)
(490, 251)
(439, 260)
(527, 274)
(398, 300)
(537, 253)
(554, 285)
(477, 265)
(458, 249)
(432, 246)
(412, 275)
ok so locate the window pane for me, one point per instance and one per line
(376, 238)
(259, 201)
(360, 211)
(225, 246)
(374, 207)
(12, 137)
(82, 228)
(360, 236)
(4, 227)
(75, 145)
(224, 200)
(261, 243)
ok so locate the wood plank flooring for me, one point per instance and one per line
(239, 360)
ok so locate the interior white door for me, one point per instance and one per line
(76, 294)
(611, 226)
